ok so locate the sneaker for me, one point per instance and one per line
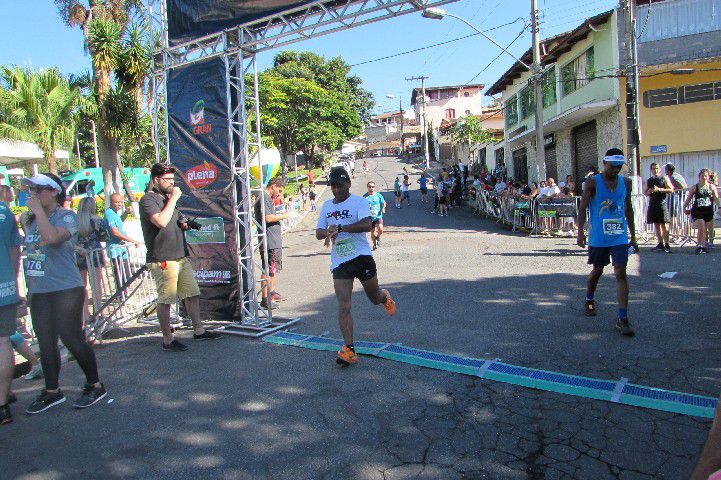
(35, 373)
(699, 250)
(389, 304)
(624, 327)
(709, 245)
(705, 250)
(91, 395)
(346, 357)
(6, 415)
(276, 297)
(590, 308)
(174, 346)
(667, 248)
(207, 335)
(378, 242)
(44, 401)
(658, 248)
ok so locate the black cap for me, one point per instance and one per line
(338, 175)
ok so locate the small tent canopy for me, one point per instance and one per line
(15, 152)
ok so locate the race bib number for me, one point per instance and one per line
(375, 210)
(613, 226)
(35, 265)
(345, 248)
(704, 202)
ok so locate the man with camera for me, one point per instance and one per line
(167, 258)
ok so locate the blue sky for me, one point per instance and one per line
(34, 35)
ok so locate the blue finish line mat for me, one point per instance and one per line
(620, 391)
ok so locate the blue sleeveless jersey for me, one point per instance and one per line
(608, 225)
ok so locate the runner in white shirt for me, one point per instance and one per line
(343, 223)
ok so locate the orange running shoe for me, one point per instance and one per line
(389, 304)
(346, 356)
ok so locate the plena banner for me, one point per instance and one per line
(200, 150)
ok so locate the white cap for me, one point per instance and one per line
(42, 181)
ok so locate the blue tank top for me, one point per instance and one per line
(608, 215)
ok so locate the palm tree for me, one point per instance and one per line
(38, 106)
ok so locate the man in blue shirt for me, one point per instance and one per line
(114, 217)
(9, 298)
(378, 207)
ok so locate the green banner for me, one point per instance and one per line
(212, 231)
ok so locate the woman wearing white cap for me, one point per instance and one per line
(56, 291)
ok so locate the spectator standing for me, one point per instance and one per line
(303, 196)
(397, 192)
(677, 180)
(9, 299)
(712, 232)
(274, 237)
(405, 189)
(423, 186)
(702, 196)
(90, 228)
(114, 218)
(312, 198)
(167, 255)
(611, 220)
(657, 189)
(56, 292)
(310, 177)
(90, 189)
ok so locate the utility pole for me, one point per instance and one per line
(424, 127)
(400, 109)
(632, 109)
(537, 79)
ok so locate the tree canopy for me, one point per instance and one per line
(469, 130)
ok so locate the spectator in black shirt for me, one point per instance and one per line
(273, 234)
(167, 258)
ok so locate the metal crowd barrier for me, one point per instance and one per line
(535, 216)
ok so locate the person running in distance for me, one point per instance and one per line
(405, 189)
(397, 192)
(311, 197)
(611, 219)
(378, 207)
(703, 195)
(423, 185)
(342, 224)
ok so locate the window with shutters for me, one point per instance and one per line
(511, 111)
(699, 92)
(578, 72)
(548, 85)
(527, 101)
(500, 154)
(450, 113)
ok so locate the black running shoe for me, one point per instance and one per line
(624, 327)
(206, 335)
(6, 415)
(667, 248)
(658, 248)
(264, 305)
(590, 308)
(91, 395)
(44, 401)
(705, 250)
(174, 346)
(699, 250)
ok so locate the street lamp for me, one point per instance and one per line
(400, 109)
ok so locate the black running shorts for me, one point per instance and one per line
(362, 267)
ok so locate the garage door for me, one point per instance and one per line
(520, 165)
(585, 151)
(551, 164)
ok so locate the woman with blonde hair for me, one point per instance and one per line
(703, 196)
(90, 229)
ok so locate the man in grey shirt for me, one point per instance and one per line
(274, 237)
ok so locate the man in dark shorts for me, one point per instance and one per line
(9, 299)
(657, 189)
(343, 223)
(611, 220)
(377, 204)
(274, 235)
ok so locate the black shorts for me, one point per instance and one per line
(602, 256)
(362, 267)
(657, 213)
(424, 191)
(8, 320)
(398, 194)
(275, 260)
(442, 199)
(702, 213)
(376, 221)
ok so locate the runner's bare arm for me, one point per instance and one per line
(689, 196)
(629, 213)
(362, 225)
(589, 190)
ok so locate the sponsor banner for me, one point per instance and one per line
(522, 207)
(200, 150)
(557, 207)
(212, 231)
(191, 19)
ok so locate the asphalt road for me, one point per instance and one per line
(239, 408)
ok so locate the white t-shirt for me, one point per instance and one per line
(347, 246)
(553, 190)
(404, 187)
(501, 186)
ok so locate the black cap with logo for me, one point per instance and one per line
(338, 175)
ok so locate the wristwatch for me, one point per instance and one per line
(340, 228)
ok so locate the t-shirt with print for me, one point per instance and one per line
(273, 230)
(52, 268)
(347, 246)
(9, 240)
(163, 244)
(375, 202)
(112, 219)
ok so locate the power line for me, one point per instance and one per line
(433, 45)
(525, 27)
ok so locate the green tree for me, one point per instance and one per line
(38, 106)
(469, 130)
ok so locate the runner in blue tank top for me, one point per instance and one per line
(611, 220)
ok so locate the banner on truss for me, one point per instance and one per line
(199, 147)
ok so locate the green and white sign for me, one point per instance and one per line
(213, 231)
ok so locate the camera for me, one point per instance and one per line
(193, 225)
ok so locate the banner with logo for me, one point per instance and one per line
(190, 19)
(557, 207)
(200, 150)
